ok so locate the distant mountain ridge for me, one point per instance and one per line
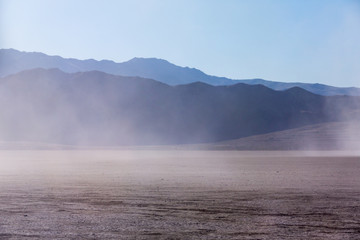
(13, 61)
(96, 108)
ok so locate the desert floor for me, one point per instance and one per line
(174, 194)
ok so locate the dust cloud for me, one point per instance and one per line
(347, 109)
(98, 109)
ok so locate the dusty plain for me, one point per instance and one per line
(179, 194)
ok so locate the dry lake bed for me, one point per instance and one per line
(174, 194)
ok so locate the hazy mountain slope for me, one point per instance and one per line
(323, 136)
(13, 61)
(100, 109)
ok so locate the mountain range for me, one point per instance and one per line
(96, 108)
(13, 61)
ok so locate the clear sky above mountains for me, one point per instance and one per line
(305, 41)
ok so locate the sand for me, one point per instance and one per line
(154, 194)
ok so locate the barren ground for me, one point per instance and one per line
(153, 194)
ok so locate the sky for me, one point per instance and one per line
(315, 41)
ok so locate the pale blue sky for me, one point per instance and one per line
(279, 40)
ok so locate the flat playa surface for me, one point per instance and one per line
(173, 194)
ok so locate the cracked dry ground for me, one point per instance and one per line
(178, 195)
